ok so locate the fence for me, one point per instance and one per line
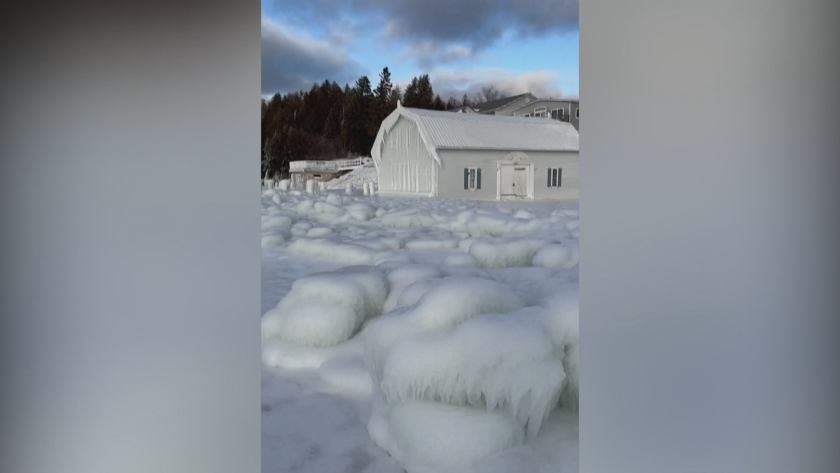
(327, 166)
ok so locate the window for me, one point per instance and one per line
(540, 112)
(555, 176)
(558, 114)
(577, 113)
(472, 179)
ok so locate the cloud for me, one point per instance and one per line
(430, 53)
(292, 62)
(473, 25)
(456, 82)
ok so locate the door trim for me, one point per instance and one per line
(520, 159)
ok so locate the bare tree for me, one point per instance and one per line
(490, 93)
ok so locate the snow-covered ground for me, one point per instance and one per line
(418, 335)
(357, 177)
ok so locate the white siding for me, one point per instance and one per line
(406, 165)
(451, 175)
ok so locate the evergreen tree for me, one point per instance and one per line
(382, 102)
(412, 94)
(425, 94)
(396, 95)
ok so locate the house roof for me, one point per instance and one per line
(494, 104)
(447, 130)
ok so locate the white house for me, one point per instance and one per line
(475, 156)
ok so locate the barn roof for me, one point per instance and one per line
(447, 130)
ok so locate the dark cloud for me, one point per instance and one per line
(439, 24)
(428, 54)
(291, 63)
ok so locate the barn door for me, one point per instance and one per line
(506, 181)
(520, 181)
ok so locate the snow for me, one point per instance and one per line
(356, 178)
(418, 335)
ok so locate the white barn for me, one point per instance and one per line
(474, 156)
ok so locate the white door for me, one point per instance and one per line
(520, 181)
(507, 180)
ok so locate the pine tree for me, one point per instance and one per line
(396, 95)
(425, 94)
(412, 94)
(382, 102)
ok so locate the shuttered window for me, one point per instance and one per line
(554, 177)
(472, 178)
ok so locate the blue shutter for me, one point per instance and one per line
(478, 179)
(466, 178)
(549, 178)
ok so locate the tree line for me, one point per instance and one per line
(330, 122)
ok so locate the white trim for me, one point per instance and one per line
(519, 159)
(472, 175)
(555, 171)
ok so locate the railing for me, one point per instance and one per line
(338, 165)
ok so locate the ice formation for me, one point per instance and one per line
(459, 319)
(326, 309)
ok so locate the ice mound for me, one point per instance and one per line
(360, 212)
(334, 199)
(431, 244)
(407, 218)
(272, 222)
(327, 208)
(555, 256)
(272, 240)
(444, 304)
(500, 362)
(405, 275)
(279, 354)
(456, 299)
(497, 225)
(524, 214)
(414, 291)
(300, 229)
(563, 322)
(429, 437)
(318, 232)
(332, 250)
(325, 309)
(497, 255)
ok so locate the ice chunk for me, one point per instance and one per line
(563, 322)
(444, 304)
(555, 256)
(325, 309)
(272, 240)
(405, 275)
(492, 361)
(318, 232)
(516, 253)
(428, 437)
(328, 249)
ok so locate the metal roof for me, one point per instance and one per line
(447, 130)
(498, 103)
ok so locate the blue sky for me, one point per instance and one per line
(464, 45)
